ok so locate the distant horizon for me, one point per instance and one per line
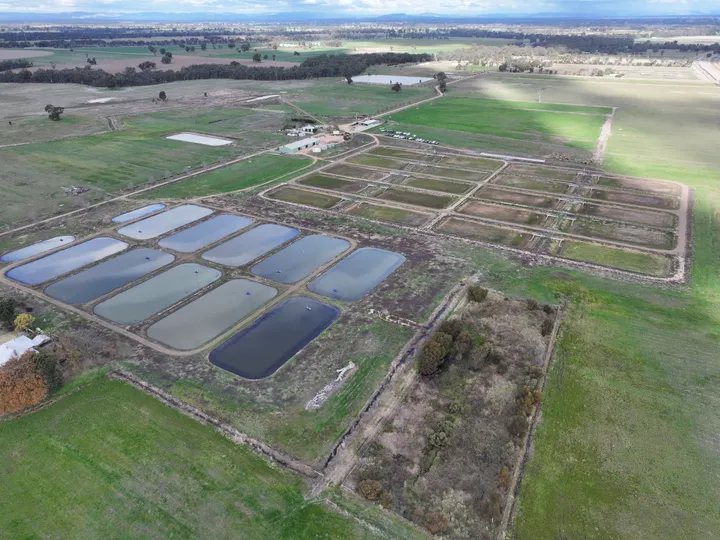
(87, 11)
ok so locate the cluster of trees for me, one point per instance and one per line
(315, 67)
(54, 112)
(15, 64)
(449, 342)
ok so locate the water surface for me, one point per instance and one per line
(357, 274)
(108, 276)
(138, 213)
(160, 224)
(157, 293)
(260, 349)
(250, 245)
(204, 319)
(67, 260)
(299, 260)
(207, 232)
(37, 249)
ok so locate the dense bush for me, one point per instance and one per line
(14, 64)
(491, 507)
(546, 328)
(370, 489)
(434, 352)
(7, 312)
(518, 426)
(46, 365)
(436, 522)
(440, 435)
(23, 321)
(386, 499)
(476, 293)
(21, 385)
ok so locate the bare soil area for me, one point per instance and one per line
(651, 201)
(502, 213)
(504, 195)
(446, 460)
(652, 219)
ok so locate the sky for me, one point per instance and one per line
(470, 8)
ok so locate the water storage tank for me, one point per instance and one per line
(316, 150)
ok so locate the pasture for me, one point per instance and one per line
(573, 126)
(109, 460)
(34, 174)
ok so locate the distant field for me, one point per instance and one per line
(634, 261)
(511, 119)
(33, 175)
(301, 196)
(110, 461)
(241, 175)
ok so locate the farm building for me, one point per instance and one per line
(310, 129)
(370, 123)
(296, 146)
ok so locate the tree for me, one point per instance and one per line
(147, 66)
(162, 95)
(441, 76)
(503, 67)
(245, 46)
(162, 51)
(442, 86)
(348, 78)
(7, 312)
(203, 46)
(256, 57)
(231, 44)
(24, 321)
(265, 57)
(54, 112)
(273, 57)
(296, 53)
(396, 87)
(152, 50)
(91, 61)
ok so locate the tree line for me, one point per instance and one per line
(15, 64)
(320, 66)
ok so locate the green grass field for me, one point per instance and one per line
(32, 176)
(634, 261)
(244, 174)
(301, 196)
(511, 119)
(110, 461)
(389, 213)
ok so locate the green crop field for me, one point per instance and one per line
(301, 196)
(561, 124)
(244, 174)
(389, 213)
(32, 176)
(634, 261)
(110, 461)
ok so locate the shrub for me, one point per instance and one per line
(452, 327)
(464, 343)
(491, 508)
(21, 385)
(434, 352)
(386, 499)
(476, 293)
(24, 321)
(46, 365)
(370, 489)
(548, 309)
(518, 426)
(440, 435)
(7, 312)
(504, 477)
(436, 522)
(532, 305)
(546, 328)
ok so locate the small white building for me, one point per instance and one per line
(19, 346)
(296, 146)
(370, 123)
(310, 129)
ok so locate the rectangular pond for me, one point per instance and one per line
(138, 213)
(390, 79)
(158, 293)
(205, 233)
(36, 249)
(160, 224)
(67, 260)
(299, 260)
(199, 139)
(204, 319)
(250, 245)
(357, 274)
(262, 348)
(108, 276)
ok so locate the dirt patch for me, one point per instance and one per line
(535, 184)
(651, 201)
(483, 232)
(623, 232)
(641, 185)
(502, 213)
(356, 172)
(446, 459)
(644, 217)
(515, 197)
